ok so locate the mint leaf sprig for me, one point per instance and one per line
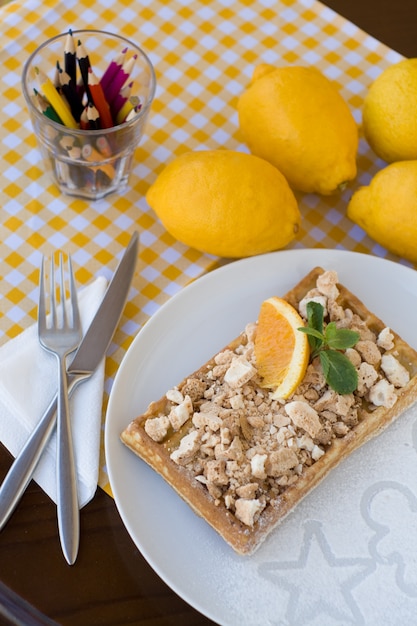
(327, 343)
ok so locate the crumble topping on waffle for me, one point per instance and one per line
(246, 448)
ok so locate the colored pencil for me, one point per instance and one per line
(128, 106)
(120, 99)
(93, 117)
(55, 99)
(55, 81)
(45, 108)
(83, 64)
(69, 90)
(133, 113)
(69, 146)
(67, 142)
(121, 78)
(84, 123)
(112, 70)
(70, 58)
(104, 146)
(91, 154)
(75, 152)
(97, 95)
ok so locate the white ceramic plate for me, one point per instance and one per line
(353, 537)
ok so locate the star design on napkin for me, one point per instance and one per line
(318, 582)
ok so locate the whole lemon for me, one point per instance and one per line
(390, 114)
(225, 203)
(295, 118)
(387, 208)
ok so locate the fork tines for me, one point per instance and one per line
(60, 315)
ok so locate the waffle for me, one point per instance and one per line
(242, 460)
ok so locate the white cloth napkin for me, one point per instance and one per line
(28, 382)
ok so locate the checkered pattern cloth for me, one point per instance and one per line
(204, 54)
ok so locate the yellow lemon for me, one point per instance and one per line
(387, 208)
(281, 351)
(225, 203)
(390, 113)
(295, 118)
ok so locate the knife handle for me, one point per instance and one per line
(22, 468)
(67, 492)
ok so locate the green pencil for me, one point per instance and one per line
(46, 108)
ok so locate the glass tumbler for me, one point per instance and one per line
(105, 85)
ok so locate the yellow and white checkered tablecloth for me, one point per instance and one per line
(204, 53)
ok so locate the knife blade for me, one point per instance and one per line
(87, 358)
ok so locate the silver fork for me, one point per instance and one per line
(60, 335)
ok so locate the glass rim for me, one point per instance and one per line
(94, 132)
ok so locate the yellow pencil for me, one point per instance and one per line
(55, 100)
(128, 106)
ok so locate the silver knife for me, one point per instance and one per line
(87, 358)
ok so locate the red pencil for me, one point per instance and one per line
(84, 122)
(99, 100)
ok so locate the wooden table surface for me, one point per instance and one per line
(111, 583)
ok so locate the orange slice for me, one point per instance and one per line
(281, 351)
